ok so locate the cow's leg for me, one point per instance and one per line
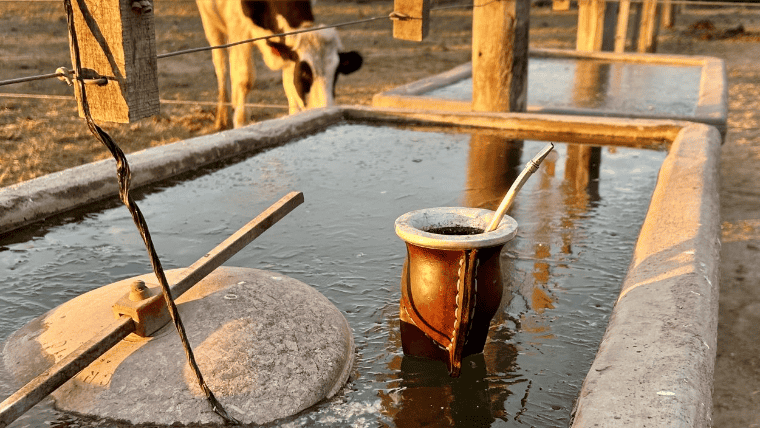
(216, 34)
(295, 103)
(242, 77)
(219, 57)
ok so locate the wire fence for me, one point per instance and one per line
(390, 16)
(162, 101)
(63, 74)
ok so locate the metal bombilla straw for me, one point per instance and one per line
(530, 168)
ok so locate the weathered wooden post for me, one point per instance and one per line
(647, 40)
(621, 31)
(117, 49)
(560, 5)
(590, 84)
(500, 55)
(669, 12)
(493, 164)
(411, 19)
(596, 25)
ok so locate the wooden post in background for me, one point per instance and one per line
(621, 31)
(560, 5)
(500, 55)
(416, 27)
(669, 12)
(647, 41)
(118, 43)
(597, 20)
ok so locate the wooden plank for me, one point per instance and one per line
(500, 55)
(222, 252)
(415, 26)
(120, 44)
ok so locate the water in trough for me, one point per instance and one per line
(578, 216)
(627, 87)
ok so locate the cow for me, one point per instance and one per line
(310, 61)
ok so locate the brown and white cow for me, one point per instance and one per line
(310, 61)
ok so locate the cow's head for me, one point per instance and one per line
(312, 63)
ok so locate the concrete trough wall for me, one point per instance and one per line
(711, 108)
(655, 362)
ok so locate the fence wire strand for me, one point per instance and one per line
(390, 16)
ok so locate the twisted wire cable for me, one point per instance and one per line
(124, 176)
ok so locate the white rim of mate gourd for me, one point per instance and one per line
(412, 226)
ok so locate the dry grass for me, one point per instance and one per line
(40, 136)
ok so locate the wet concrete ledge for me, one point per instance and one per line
(655, 363)
(711, 108)
(33, 200)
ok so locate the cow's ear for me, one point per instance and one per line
(349, 62)
(282, 50)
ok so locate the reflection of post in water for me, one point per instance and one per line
(590, 83)
(427, 396)
(581, 187)
(546, 203)
(582, 177)
(493, 164)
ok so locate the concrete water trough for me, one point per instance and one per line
(656, 319)
(609, 84)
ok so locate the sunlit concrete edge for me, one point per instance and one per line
(711, 108)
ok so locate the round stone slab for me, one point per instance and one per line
(268, 347)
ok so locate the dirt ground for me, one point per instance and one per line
(41, 133)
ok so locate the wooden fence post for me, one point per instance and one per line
(119, 43)
(500, 55)
(669, 12)
(415, 27)
(560, 5)
(647, 42)
(596, 25)
(621, 31)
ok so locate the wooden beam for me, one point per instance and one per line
(500, 55)
(118, 43)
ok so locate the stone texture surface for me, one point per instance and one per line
(268, 346)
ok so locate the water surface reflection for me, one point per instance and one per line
(578, 218)
(623, 87)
